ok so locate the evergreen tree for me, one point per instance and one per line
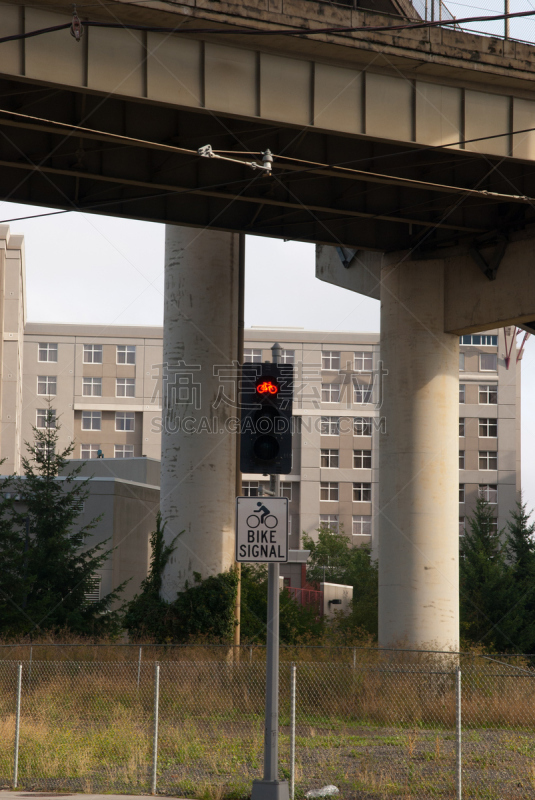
(520, 548)
(52, 571)
(492, 610)
(14, 582)
(335, 560)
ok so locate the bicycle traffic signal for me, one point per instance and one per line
(266, 419)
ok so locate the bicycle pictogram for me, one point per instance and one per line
(262, 516)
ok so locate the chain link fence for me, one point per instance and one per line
(429, 729)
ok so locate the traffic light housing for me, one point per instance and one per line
(266, 419)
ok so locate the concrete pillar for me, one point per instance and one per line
(198, 446)
(418, 461)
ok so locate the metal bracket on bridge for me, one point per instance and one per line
(346, 256)
(267, 159)
(490, 269)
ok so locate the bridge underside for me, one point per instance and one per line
(392, 196)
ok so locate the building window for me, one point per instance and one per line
(93, 593)
(488, 394)
(461, 426)
(461, 526)
(364, 361)
(124, 451)
(124, 420)
(488, 427)
(330, 359)
(43, 420)
(362, 394)
(488, 362)
(329, 521)
(328, 491)
(330, 392)
(362, 459)
(461, 362)
(46, 384)
(46, 450)
(92, 354)
(91, 420)
(362, 492)
(89, 450)
(462, 388)
(329, 459)
(126, 354)
(250, 488)
(493, 526)
(330, 426)
(461, 493)
(489, 492)
(252, 356)
(362, 426)
(47, 352)
(92, 387)
(362, 525)
(288, 357)
(478, 338)
(125, 387)
(488, 459)
(461, 459)
(286, 489)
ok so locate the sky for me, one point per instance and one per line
(71, 256)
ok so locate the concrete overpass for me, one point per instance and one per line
(412, 148)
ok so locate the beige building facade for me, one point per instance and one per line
(104, 384)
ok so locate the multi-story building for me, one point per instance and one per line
(104, 384)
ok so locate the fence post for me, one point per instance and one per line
(17, 728)
(139, 667)
(155, 739)
(250, 655)
(30, 670)
(354, 658)
(458, 765)
(292, 729)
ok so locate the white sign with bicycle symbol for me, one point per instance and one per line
(261, 529)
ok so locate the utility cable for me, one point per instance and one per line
(272, 32)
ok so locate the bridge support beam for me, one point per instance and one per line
(418, 460)
(198, 470)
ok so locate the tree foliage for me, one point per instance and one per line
(493, 602)
(335, 560)
(50, 569)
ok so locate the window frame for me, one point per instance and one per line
(488, 423)
(487, 458)
(363, 356)
(93, 415)
(365, 421)
(47, 379)
(128, 416)
(363, 520)
(89, 457)
(462, 393)
(487, 390)
(488, 490)
(126, 353)
(488, 355)
(252, 355)
(89, 381)
(329, 421)
(43, 412)
(333, 524)
(330, 487)
(123, 447)
(462, 459)
(330, 454)
(462, 427)
(326, 387)
(462, 493)
(366, 392)
(287, 356)
(47, 345)
(247, 487)
(92, 349)
(128, 382)
(363, 487)
(364, 456)
(286, 486)
(330, 357)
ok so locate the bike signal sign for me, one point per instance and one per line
(261, 529)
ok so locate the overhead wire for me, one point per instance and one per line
(269, 32)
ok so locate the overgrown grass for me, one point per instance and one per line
(383, 730)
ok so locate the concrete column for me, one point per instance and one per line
(198, 445)
(418, 461)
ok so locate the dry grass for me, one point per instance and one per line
(383, 730)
